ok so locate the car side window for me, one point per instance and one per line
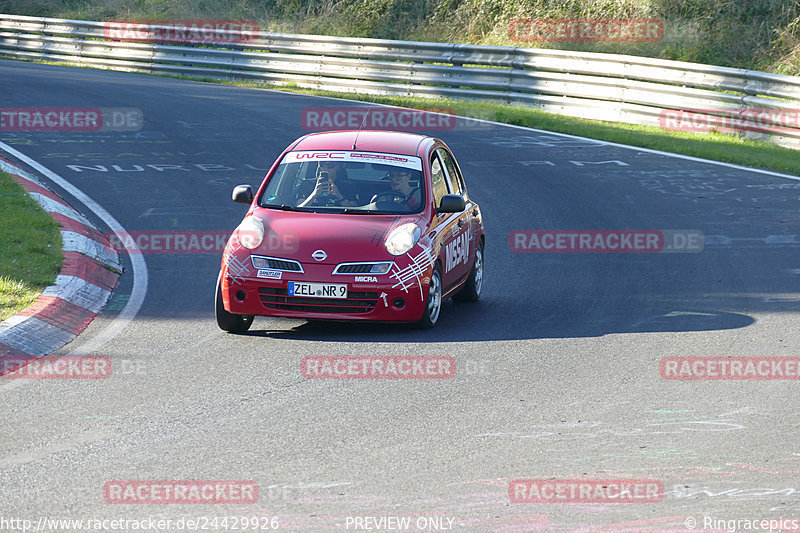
(456, 185)
(437, 180)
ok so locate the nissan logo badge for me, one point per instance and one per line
(319, 255)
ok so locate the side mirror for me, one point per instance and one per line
(451, 203)
(243, 194)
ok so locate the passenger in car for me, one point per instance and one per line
(333, 187)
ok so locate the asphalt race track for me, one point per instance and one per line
(558, 366)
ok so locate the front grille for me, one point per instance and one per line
(354, 268)
(356, 302)
(292, 266)
(363, 268)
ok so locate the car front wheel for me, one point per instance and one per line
(433, 305)
(228, 321)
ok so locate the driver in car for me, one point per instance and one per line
(399, 180)
(332, 187)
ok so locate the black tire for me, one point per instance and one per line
(228, 321)
(471, 291)
(433, 304)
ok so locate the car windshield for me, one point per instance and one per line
(346, 182)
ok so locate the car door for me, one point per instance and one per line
(457, 235)
(471, 211)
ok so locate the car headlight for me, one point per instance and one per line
(402, 239)
(251, 232)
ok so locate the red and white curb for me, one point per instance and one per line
(88, 276)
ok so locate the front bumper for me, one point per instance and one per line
(385, 300)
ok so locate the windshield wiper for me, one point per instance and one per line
(348, 211)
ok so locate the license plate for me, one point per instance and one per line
(317, 290)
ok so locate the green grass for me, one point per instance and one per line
(30, 248)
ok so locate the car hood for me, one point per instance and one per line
(344, 238)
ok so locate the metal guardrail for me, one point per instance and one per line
(637, 90)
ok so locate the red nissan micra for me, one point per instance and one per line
(353, 225)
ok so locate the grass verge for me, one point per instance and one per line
(30, 248)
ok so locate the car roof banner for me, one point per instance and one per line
(407, 161)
